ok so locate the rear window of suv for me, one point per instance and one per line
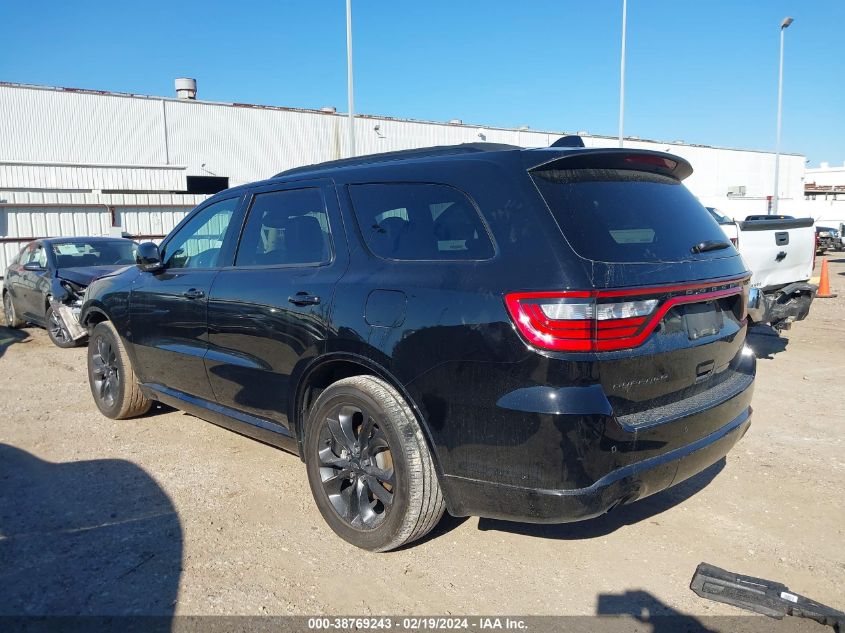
(619, 215)
(416, 221)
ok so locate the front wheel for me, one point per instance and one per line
(57, 331)
(115, 387)
(369, 467)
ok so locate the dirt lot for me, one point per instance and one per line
(168, 513)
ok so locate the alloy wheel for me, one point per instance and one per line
(356, 467)
(106, 373)
(57, 328)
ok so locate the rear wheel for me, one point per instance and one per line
(115, 387)
(57, 330)
(9, 313)
(369, 467)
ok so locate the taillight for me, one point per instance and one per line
(734, 241)
(602, 320)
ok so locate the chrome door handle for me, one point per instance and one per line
(304, 299)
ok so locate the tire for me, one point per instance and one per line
(362, 442)
(9, 314)
(57, 331)
(113, 383)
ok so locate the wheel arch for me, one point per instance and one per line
(94, 315)
(329, 369)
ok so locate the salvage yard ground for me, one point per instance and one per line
(169, 514)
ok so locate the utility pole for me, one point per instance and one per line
(783, 26)
(349, 88)
(622, 72)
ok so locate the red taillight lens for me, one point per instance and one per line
(734, 241)
(602, 320)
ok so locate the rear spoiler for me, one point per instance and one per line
(608, 158)
(775, 225)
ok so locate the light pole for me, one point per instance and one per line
(783, 26)
(349, 88)
(622, 71)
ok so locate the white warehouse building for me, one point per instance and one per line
(86, 162)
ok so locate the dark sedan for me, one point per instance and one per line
(44, 284)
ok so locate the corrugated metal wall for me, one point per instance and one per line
(73, 127)
(247, 143)
(150, 220)
(22, 175)
(58, 144)
(27, 215)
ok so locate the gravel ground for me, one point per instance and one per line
(169, 514)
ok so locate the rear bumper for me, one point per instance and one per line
(782, 306)
(624, 485)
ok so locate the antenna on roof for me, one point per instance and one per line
(569, 141)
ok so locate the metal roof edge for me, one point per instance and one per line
(129, 95)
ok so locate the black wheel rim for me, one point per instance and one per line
(356, 467)
(106, 378)
(57, 328)
(8, 310)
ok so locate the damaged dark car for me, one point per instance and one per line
(45, 283)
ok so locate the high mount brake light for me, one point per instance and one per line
(647, 159)
(603, 320)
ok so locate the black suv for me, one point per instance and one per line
(529, 334)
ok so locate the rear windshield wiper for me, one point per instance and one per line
(709, 245)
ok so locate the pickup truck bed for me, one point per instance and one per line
(780, 252)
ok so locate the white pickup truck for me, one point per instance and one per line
(780, 253)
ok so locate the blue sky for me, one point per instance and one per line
(703, 71)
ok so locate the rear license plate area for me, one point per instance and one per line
(702, 319)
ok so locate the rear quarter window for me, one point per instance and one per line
(415, 221)
(618, 215)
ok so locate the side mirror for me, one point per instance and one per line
(33, 267)
(148, 257)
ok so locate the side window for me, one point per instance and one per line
(198, 243)
(286, 227)
(419, 222)
(25, 255)
(36, 254)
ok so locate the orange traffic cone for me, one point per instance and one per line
(824, 284)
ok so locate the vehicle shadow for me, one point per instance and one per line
(86, 538)
(9, 337)
(621, 516)
(446, 525)
(646, 608)
(765, 341)
(159, 408)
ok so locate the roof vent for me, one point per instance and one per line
(186, 88)
(329, 109)
(455, 122)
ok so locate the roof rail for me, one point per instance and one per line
(405, 154)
